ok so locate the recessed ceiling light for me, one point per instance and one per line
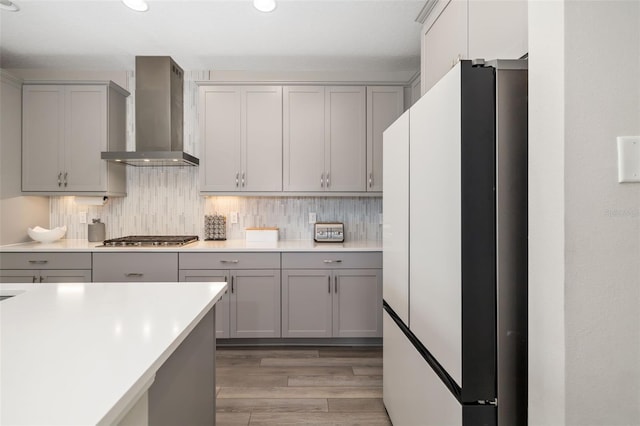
(9, 5)
(264, 5)
(137, 5)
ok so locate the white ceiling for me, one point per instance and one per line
(336, 35)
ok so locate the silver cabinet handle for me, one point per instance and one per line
(328, 181)
(133, 274)
(230, 261)
(42, 278)
(65, 179)
(60, 179)
(231, 283)
(33, 280)
(38, 262)
(243, 179)
(336, 284)
(329, 283)
(332, 261)
(237, 175)
(370, 180)
(322, 180)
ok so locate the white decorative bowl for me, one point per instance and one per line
(46, 235)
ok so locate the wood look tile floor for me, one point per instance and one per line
(311, 386)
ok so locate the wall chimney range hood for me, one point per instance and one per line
(159, 116)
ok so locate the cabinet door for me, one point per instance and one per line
(306, 303)
(135, 267)
(357, 303)
(65, 276)
(222, 306)
(255, 303)
(303, 138)
(345, 138)
(220, 132)
(498, 29)
(413, 393)
(85, 138)
(43, 109)
(384, 106)
(262, 138)
(445, 43)
(18, 276)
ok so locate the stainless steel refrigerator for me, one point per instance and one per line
(455, 251)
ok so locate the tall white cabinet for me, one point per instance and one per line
(241, 138)
(65, 127)
(471, 29)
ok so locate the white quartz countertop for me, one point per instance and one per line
(202, 246)
(81, 354)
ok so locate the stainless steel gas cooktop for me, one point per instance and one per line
(151, 240)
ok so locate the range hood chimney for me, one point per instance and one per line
(159, 116)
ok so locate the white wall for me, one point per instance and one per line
(17, 213)
(584, 282)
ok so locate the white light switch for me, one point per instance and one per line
(628, 158)
(82, 217)
(233, 217)
(312, 218)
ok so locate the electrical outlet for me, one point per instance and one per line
(82, 217)
(312, 218)
(233, 217)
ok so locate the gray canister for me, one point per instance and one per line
(96, 231)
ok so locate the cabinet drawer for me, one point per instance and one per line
(135, 267)
(229, 260)
(332, 260)
(40, 260)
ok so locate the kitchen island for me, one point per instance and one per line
(108, 353)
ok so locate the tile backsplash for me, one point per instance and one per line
(167, 201)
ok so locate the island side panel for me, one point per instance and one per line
(183, 392)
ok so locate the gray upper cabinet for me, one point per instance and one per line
(65, 127)
(303, 138)
(324, 138)
(345, 139)
(241, 131)
(384, 105)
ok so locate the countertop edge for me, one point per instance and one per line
(283, 246)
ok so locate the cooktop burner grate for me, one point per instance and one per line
(151, 240)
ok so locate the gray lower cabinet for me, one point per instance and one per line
(135, 267)
(321, 298)
(222, 307)
(251, 306)
(45, 267)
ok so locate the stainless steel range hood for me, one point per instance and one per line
(159, 116)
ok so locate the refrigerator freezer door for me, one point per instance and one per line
(413, 393)
(395, 205)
